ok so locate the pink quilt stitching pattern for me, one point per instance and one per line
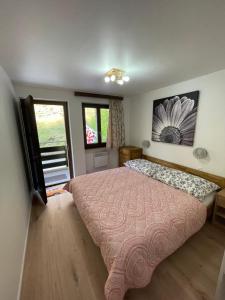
(136, 221)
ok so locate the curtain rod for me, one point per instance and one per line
(83, 94)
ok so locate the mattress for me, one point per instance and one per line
(208, 200)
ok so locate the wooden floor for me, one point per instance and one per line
(62, 262)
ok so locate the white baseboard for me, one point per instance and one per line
(23, 257)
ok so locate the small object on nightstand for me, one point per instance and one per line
(129, 152)
(219, 209)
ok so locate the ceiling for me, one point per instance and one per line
(72, 43)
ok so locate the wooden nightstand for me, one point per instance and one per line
(219, 209)
(129, 152)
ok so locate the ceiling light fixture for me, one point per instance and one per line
(116, 75)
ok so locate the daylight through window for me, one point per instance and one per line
(95, 122)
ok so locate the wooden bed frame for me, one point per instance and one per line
(220, 181)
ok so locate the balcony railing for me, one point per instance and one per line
(55, 165)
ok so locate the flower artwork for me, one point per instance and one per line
(174, 119)
(91, 135)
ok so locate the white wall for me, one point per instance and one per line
(83, 160)
(210, 127)
(14, 198)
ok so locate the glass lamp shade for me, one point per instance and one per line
(146, 144)
(120, 82)
(107, 79)
(200, 153)
(113, 77)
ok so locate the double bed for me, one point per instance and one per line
(136, 220)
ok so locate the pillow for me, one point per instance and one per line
(191, 184)
(143, 166)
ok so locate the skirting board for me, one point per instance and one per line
(24, 255)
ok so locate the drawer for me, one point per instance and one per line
(136, 154)
(125, 151)
(128, 150)
(220, 201)
(123, 159)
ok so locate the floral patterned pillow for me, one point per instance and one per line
(191, 184)
(143, 166)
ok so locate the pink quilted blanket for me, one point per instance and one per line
(136, 221)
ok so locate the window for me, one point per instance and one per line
(95, 122)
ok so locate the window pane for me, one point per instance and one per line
(104, 113)
(91, 125)
(50, 125)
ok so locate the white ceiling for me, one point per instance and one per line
(72, 43)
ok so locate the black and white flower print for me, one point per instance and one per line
(174, 120)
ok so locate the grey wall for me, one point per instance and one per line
(14, 197)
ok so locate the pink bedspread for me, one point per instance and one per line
(136, 221)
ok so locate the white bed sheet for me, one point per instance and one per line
(208, 200)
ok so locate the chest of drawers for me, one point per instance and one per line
(127, 153)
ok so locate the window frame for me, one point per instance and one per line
(98, 115)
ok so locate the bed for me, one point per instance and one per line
(136, 221)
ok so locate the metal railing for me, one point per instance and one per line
(52, 157)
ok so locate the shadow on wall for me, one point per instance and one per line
(20, 130)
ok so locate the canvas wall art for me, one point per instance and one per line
(174, 119)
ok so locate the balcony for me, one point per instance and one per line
(55, 165)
